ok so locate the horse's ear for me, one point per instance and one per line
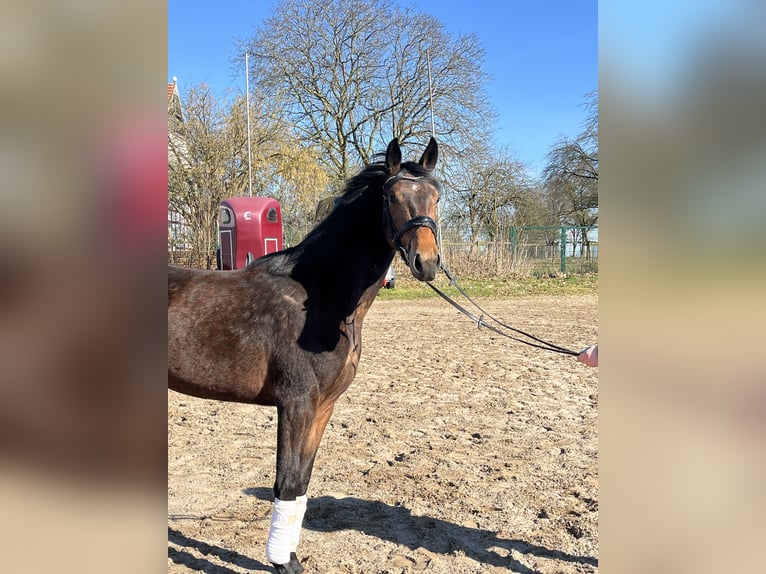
(393, 156)
(428, 160)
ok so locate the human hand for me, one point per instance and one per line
(589, 356)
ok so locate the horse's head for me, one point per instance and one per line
(410, 195)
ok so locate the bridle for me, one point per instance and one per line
(414, 223)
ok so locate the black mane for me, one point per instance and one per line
(356, 210)
(360, 205)
(356, 217)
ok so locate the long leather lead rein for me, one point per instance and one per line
(540, 344)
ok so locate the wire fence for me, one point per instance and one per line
(505, 259)
(527, 251)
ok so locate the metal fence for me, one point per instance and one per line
(573, 249)
(527, 251)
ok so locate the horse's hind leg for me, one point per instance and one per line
(299, 431)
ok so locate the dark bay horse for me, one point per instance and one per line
(286, 331)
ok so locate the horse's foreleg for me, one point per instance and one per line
(300, 429)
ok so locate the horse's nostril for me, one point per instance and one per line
(418, 264)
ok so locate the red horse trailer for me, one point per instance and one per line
(248, 228)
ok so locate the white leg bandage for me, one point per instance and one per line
(300, 511)
(285, 532)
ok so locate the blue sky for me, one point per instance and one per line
(542, 54)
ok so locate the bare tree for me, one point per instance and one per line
(352, 74)
(299, 183)
(534, 208)
(204, 166)
(207, 162)
(571, 175)
(487, 188)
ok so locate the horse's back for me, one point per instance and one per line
(178, 279)
(203, 287)
(223, 297)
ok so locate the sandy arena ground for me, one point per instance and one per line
(454, 451)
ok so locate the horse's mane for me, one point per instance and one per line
(361, 188)
(374, 174)
(361, 193)
(357, 190)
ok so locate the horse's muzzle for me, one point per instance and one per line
(422, 255)
(424, 264)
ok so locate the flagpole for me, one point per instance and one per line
(247, 99)
(430, 92)
(433, 131)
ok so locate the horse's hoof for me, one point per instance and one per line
(292, 567)
(295, 563)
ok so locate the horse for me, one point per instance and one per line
(286, 330)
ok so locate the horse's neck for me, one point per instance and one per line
(349, 253)
(340, 266)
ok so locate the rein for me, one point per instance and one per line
(540, 343)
